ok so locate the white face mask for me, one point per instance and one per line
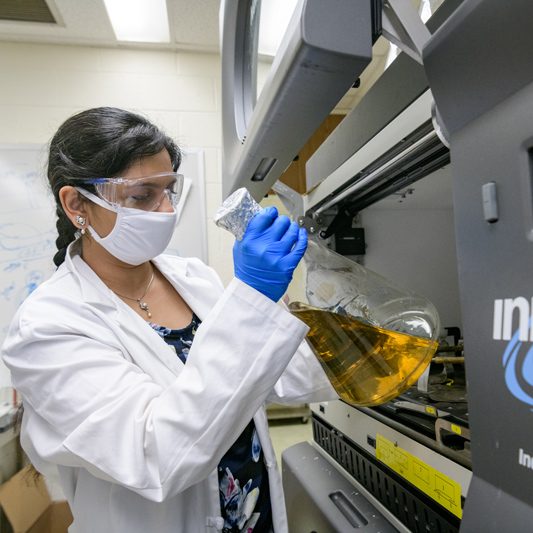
(137, 236)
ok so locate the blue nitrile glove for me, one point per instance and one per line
(268, 253)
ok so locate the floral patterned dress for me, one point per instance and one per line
(242, 475)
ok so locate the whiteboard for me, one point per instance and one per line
(28, 232)
(190, 237)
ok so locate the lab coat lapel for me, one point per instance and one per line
(143, 342)
(93, 289)
(140, 340)
(199, 294)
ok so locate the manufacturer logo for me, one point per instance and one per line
(517, 357)
(524, 459)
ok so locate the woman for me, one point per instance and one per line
(148, 430)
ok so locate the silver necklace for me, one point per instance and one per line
(140, 301)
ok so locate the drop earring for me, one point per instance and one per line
(81, 220)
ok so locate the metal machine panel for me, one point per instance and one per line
(407, 79)
(418, 113)
(362, 430)
(398, 87)
(496, 289)
(479, 70)
(327, 45)
(320, 498)
(417, 485)
(487, 45)
(487, 108)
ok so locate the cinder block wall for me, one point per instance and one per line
(42, 85)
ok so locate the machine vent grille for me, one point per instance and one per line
(411, 506)
(26, 11)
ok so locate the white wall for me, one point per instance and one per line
(42, 85)
(416, 249)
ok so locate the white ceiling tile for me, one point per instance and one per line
(193, 25)
(82, 21)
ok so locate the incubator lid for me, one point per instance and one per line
(324, 51)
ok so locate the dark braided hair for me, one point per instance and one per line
(99, 142)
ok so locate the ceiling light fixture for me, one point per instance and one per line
(139, 20)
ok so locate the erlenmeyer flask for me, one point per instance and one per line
(373, 339)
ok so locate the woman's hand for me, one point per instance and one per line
(268, 253)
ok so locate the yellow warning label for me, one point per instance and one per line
(431, 410)
(456, 429)
(435, 484)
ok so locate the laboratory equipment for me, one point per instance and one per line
(373, 339)
(461, 113)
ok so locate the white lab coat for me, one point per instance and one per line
(137, 435)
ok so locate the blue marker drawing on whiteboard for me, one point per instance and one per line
(12, 266)
(25, 242)
(33, 280)
(27, 230)
(7, 292)
(31, 181)
(33, 195)
(39, 250)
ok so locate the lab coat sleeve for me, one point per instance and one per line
(303, 380)
(91, 408)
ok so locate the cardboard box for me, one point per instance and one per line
(28, 507)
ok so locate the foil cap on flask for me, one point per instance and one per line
(236, 211)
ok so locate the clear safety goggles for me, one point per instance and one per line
(146, 193)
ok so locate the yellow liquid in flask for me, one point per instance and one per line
(366, 365)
